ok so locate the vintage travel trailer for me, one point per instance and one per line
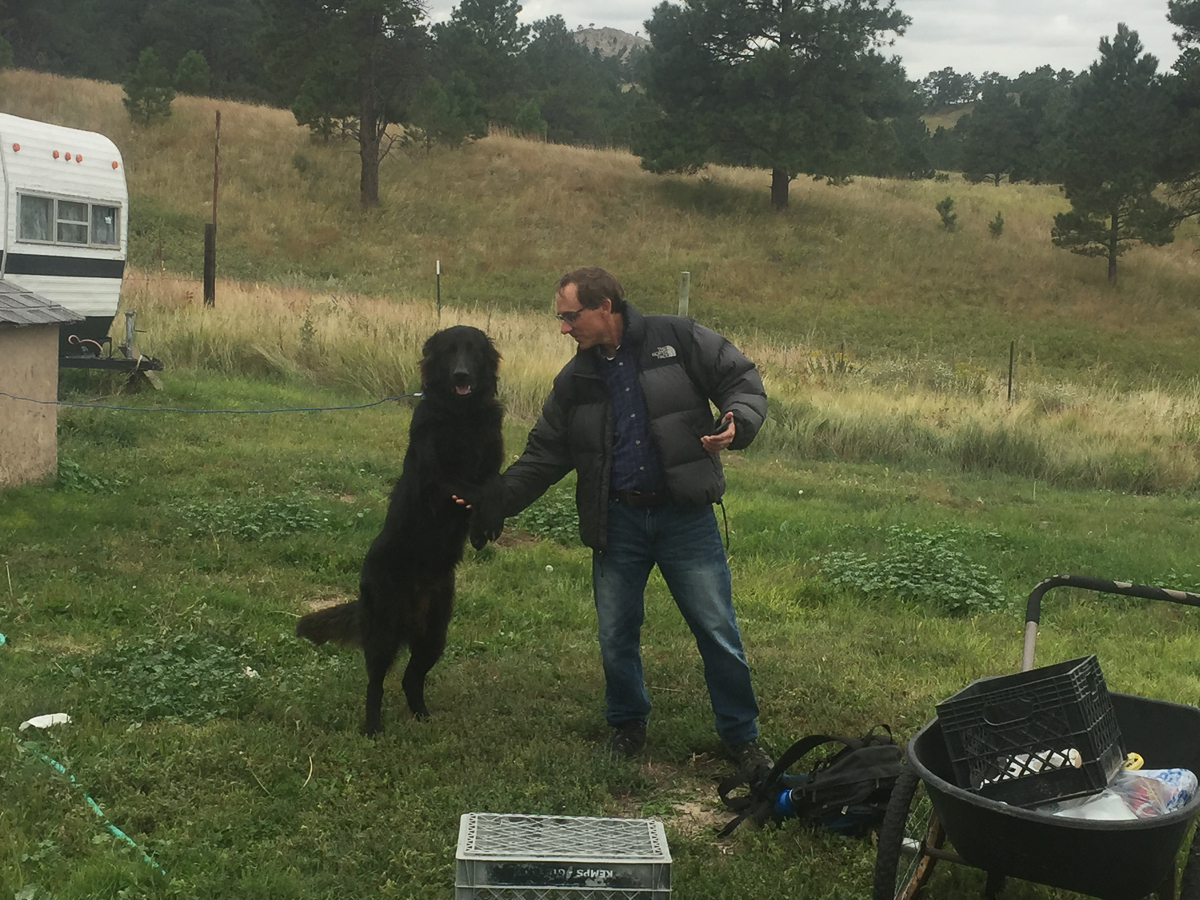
(64, 208)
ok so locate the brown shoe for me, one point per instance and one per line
(626, 740)
(750, 757)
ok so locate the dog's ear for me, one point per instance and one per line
(428, 351)
(491, 354)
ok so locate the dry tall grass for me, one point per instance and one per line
(358, 343)
(913, 413)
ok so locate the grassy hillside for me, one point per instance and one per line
(868, 264)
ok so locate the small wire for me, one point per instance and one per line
(32, 748)
(176, 409)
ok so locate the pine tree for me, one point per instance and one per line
(148, 91)
(447, 115)
(949, 217)
(351, 66)
(529, 121)
(994, 135)
(1113, 141)
(192, 75)
(6, 53)
(484, 41)
(1182, 170)
(778, 84)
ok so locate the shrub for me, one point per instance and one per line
(949, 219)
(254, 518)
(192, 75)
(148, 91)
(553, 517)
(919, 567)
(180, 678)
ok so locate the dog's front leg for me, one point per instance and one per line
(487, 513)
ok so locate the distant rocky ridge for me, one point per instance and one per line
(609, 41)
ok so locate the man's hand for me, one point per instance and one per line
(715, 443)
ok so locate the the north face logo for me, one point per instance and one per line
(665, 352)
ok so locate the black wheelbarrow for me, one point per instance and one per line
(930, 818)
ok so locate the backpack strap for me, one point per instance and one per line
(759, 800)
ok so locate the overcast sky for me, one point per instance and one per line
(1005, 36)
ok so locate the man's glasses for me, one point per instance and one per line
(569, 317)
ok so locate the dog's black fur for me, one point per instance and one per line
(406, 589)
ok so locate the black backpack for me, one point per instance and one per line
(846, 792)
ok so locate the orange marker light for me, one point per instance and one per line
(78, 157)
(16, 148)
(114, 163)
(56, 154)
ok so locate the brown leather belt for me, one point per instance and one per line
(640, 499)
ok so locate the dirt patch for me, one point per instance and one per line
(515, 538)
(697, 817)
(684, 796)
(326, 602)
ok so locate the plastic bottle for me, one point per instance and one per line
(1154, 792)
(783, 803)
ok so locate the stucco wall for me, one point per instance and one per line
(28, 431)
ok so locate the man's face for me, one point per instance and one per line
(591, 326)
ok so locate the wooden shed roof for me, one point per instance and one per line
(21, 307)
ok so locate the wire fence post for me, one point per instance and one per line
(439, 289)
(210, 264)
(685, 280)
(1012, 355)
(210, 229)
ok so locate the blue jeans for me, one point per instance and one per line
(686, 546)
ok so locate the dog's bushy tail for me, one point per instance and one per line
(340, 624)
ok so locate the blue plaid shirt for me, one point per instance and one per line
(635, 463)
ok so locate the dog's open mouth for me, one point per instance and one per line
(462, 389)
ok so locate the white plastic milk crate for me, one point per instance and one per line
(512, 857)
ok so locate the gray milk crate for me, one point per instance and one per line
(512, 857)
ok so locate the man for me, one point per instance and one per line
(630, 413)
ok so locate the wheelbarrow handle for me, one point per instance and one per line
(1033, 607)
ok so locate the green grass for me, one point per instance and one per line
(175, 552)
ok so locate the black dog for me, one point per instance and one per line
(406, 589)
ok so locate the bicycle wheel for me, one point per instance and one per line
(910, 827)
(1189, 882)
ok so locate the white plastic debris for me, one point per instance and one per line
(44, 721)
(249, 672)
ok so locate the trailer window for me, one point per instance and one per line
(72, 222)
(37, 218)
(54, 221)
(104, 225)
